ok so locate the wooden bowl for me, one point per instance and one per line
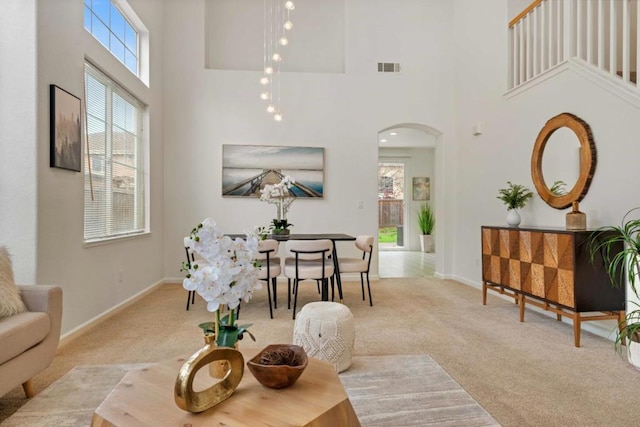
(278, 375)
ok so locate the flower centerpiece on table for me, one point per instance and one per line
(226, 274)
(280, 195)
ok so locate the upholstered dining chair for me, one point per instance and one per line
(191, 295)
(359, 265)
(308, 260)
(270, 268)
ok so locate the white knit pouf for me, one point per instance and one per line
(326, 330)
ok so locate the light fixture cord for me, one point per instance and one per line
(278, 24)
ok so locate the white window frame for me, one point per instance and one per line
(105, 217)
(124, 11)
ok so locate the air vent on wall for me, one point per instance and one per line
(388, 67)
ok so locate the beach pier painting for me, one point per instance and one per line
(246, 169)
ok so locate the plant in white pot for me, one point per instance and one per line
(619, 247)
(515, 197)
(426, 222)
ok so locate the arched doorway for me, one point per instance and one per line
(408, 170)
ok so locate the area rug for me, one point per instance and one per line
(384, 391)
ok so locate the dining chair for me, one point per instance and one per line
(359, 265)
(270, 268)
(308, 260)
(191, 295)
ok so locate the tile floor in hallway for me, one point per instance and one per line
(406, 263)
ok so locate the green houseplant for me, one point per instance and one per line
(426, 222)
(515, 196)
(619, 247)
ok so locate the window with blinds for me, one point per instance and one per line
(114, 202)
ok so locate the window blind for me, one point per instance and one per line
(114, 165)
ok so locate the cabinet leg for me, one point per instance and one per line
(521, 302)
(576, 329)
(622, 323)
(484, 293)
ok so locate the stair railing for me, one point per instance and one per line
(602, 33)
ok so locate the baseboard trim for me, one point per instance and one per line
(91, 323)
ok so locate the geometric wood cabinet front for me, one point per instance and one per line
(550, 269)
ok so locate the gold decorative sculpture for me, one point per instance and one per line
(188, 399)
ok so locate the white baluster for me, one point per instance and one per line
(579, 30)
(510, 61)
(589, 32)
(528, 58)
(626, 38)
(559, 31)
(552, 30)
(514, 57)
(536, 61)
(601, 31)
(521, 53)
(544, 33)
(569, 45)
(613, 38)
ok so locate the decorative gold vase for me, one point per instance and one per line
(188, 399)
(219, 368)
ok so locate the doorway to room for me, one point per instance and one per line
(406, 180)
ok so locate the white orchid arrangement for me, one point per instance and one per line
(279, 195)
(226, 274)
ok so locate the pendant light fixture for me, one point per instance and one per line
(277, 23)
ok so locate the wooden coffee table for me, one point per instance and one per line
(145, 397)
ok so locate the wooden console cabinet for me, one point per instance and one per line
(550, 269)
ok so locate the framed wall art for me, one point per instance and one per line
(248, 168)
(65, 139)
(421, 189)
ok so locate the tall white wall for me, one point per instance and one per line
(18, 167)
(89, 274)
(453, 57)
(511, 124)
(341, 112)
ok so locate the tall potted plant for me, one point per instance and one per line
(515, 196)
(619, 247)
(426, 222)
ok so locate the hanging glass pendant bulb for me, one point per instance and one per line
(271, 108)
(268, 70)
(289, 5)
(288, 25)
(276, 57)
(265, 95)
(284, 41)
(264, 80)
(277, 116)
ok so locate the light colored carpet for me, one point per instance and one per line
(523, 374)
(384, 391)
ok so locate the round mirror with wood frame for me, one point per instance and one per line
(587, 160)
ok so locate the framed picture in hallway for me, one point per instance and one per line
(248, 168)
(65, 139)
(421, 189)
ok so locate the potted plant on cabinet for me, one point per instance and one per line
(619, 247)
(426, 222)
(515, 197)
